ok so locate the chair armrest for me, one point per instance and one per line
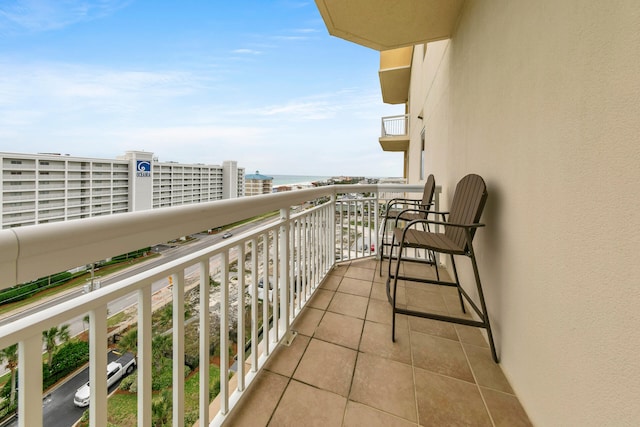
(402, 212)
(452, 224)
(399, 201)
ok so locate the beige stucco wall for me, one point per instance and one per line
(543, 100)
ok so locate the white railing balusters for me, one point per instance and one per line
(275, 299)
(145, 356)
(178, 348)
(255, 327)
(224, 333)
(240, 339)
(205, 340)
(266, 294)
(30, 382)
(284, 263)
(98, 367)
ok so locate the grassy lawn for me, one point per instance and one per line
(122, 409)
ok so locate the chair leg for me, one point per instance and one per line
(393, 243)
(435, 264)
(382, 243)
(485, 316)
(455, 274)
(395, 292)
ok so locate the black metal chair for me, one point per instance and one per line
(460, 225)
(403, 209)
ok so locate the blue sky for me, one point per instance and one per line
(195, 81)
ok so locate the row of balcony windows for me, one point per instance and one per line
(71, 213)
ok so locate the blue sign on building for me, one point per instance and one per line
(143, 168)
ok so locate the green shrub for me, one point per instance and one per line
(129, 383)
(25, 290)
(67, 359)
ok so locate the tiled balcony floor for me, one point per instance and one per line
(343, 369)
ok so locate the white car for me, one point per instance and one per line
(115, 371)
(261, 290)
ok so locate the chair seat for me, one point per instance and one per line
(438, 242)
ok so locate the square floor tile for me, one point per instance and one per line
(446, 401)
(486, 371)
(425, 299)
(358, 415)
(370, 263)
(321, 299)
(505, 409)
(471, 335)
(379, 311)
(304, 405)
(350, 305)
(360, 273)
(308, 321)
(327, 366)
(353, 286)
(331, 282)
(433, 327)
(285, 359)
(259, 402)
(440, 355)
(376, 339)
(341, 268)
(384, 384)
(340, 329)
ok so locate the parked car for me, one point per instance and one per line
(261, 290)
(115, 371)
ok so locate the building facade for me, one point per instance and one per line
(41, 188)
(257, 183)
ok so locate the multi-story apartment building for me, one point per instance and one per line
(257, 183)
(41, 188)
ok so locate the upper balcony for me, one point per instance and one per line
(315, 341)
(395, 74)
(395, 133)
(381, 26)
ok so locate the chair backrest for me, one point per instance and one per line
(466, 207)
(427, 194)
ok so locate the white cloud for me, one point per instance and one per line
(247, 51)
(306, 30)
(52, 88)
(45, 15)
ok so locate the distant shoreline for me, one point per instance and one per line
(279, 180)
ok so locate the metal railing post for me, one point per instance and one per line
(178, 350)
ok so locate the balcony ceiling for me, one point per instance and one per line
(385, 24)
(394, 143)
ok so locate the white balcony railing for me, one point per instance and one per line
(395, 125)
(293, 253)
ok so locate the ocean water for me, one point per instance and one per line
(295, 179)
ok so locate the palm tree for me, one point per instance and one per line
(51, 338)
(161, 347)
(10, 354)
(166, 318)
(161, 409)
(129, 341)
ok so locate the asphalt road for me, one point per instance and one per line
(58, 409)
